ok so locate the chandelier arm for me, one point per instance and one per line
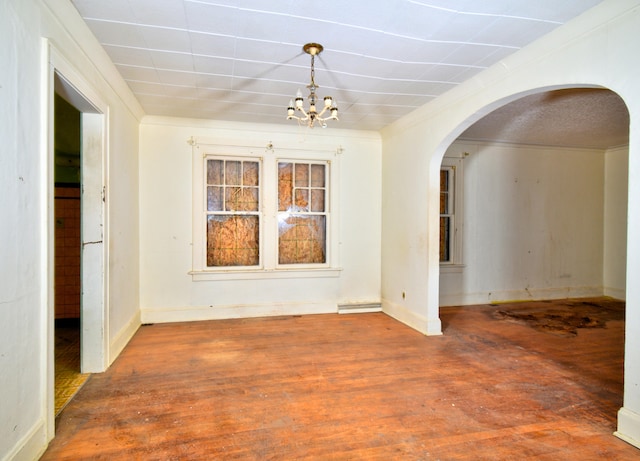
(330, 117)
(324, 109)
(306, 115)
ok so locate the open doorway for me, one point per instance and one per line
(545, 200)
(77, 228)
(67, 249)
(546, 192)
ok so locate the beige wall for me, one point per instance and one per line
(169, 293)
(534, 224)
(616, 173)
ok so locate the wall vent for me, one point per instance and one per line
(359, 308)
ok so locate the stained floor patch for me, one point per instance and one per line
(563, 318)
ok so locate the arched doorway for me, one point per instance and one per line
(608, 142)
(545, 194)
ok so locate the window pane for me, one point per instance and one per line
(214, 198)
(232, 241)
(249, 199)
(444, 180)
(317, 176)
(444, 203)
(302, 199)
(444, 191)
(317, 200)
(232, 198)
(214, 172)
(232, 173)
(445, 236)
(302, 240)
(285, 186)
(302, 175)
(250, 173)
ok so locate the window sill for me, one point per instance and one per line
(452, 268)
(261, 274)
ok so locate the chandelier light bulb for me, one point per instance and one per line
(299, 99)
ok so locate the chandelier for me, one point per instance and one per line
(312, 115)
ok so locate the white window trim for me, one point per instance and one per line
(269, 267)
(456, 164)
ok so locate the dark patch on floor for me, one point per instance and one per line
(563, 318)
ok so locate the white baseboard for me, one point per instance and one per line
(429, 327)
(628, 426)
(31, 446)
(122, 338)
(190, 313)
(487, 297)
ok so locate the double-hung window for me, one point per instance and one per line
(302, 212)
(451, 215)
(264, 215)
(233, 212)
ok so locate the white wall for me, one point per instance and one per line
(533, 224)
(616, 173)
(167, 290)
(595, 49)
(26, 417)
(21, 318)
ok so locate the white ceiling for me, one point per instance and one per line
(242, 60)
(587, 117)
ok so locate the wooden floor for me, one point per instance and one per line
(358, 386)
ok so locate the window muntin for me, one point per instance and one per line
(232, 212)
(302, 212)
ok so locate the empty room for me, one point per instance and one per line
(379, 230)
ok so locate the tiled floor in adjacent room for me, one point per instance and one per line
(68, 379)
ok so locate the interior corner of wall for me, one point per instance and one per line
(426, 326)
(122, 337)
(628, 426)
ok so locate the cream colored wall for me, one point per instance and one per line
(533, 224)
(167, 290)
(616, 173)
(595, 49)
(26, 414)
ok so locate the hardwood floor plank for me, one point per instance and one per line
(360, 386)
